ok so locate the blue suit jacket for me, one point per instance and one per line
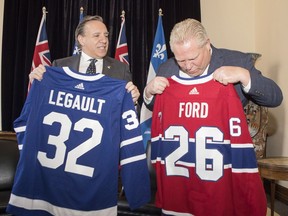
(111, 67)
(263, 91)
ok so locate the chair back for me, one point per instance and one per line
(9, 155)
(257, 119)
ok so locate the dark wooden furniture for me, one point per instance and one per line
(9, 155)
(273, 169)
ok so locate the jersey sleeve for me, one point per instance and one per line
(244, 163)
(133, 162)
(242, 149)
(21, 122)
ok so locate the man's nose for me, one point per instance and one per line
(188, 64)
(103, 39)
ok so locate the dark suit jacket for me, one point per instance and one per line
(111, 67)
(263, 91)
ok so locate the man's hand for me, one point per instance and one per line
(232, 74)
(37, 73)
(130, 87)
(156, 86)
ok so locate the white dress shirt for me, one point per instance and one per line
(85, 61)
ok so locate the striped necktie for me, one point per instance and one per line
(91, 68)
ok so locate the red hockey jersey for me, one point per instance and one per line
(203, 153)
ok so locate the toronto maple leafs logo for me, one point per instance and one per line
(159, 52)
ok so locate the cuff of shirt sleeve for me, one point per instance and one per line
(147, 99)
(247, 87)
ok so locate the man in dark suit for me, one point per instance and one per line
(92, 38)
(195, 56)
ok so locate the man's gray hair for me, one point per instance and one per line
(80, 28)
(186, 30)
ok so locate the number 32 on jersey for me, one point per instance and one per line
(82, 148)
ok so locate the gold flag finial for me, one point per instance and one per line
(81, 10)
(44, 10)
(123, 14)
(160, 12)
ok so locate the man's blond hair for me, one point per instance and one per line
(186, 30)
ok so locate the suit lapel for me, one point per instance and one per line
(107, 66)
(216, 60)
(75, 62)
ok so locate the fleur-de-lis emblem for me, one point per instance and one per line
(159, 51)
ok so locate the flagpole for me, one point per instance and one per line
(44, 12)
(123, 14)
(158, 56)
(160, 12)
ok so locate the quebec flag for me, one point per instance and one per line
(76, 50)
(158, 56)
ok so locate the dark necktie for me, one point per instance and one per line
(91, 68)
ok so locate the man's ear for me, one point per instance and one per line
(208, 44)
(81, 40)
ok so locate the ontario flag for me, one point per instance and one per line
(158, 56)
(41, 50)
(121, 53)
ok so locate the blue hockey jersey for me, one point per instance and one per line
(74, 132)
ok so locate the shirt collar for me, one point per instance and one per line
(86, 57)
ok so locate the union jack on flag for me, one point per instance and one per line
(41, 50)
(121, 53)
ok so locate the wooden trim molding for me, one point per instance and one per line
(7, 135)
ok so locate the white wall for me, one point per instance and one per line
(230, 23)
(256, 26)
(272, 42)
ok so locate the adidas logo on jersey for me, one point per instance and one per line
(79, 86)
(194, 91)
